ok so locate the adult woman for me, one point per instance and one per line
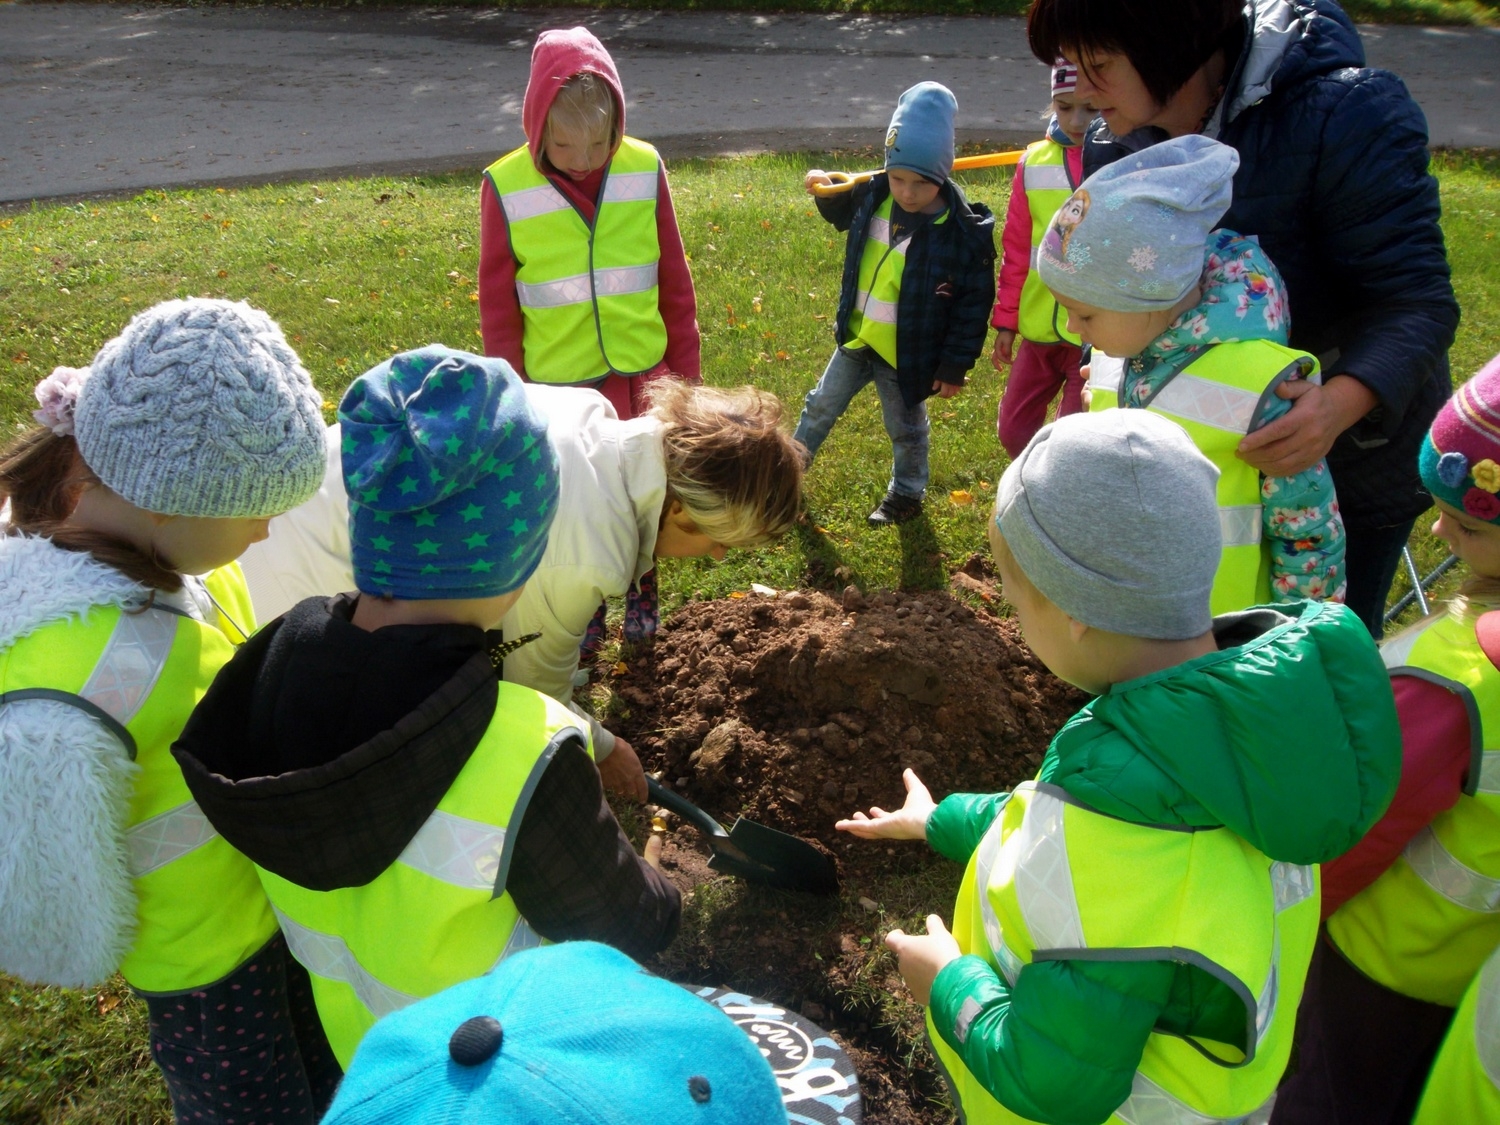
(704, 471)
(1333, 182)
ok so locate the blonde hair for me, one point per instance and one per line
(731, 466)
(584, 107)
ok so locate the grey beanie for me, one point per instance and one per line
(1131, 237)
(920, 137)
(201, 408)
(1114, 517)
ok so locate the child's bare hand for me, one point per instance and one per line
(909, 822)
(1004, 353)
(946, 390)
(815, 177)
(651, 853)
(922, 956)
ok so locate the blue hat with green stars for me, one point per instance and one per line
(452, 483)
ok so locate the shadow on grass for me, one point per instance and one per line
(823, 561)
(921, 556)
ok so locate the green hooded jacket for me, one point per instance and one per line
(1287, 736)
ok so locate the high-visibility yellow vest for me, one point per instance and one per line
(1044, 173)
(1217, 399)
(872, 320)
(588, 292)
(1427, 924)
(1464, 1083)
(200, 911)
(439, 914)
(1052, 880)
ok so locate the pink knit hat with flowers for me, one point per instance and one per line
(1460, 458)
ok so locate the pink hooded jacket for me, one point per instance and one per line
(557, 57)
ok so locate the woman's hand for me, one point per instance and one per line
(909, 822)
(815, 177)
(1302, 437)
(622, 772)
(922, 956)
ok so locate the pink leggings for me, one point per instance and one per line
(1035, 376)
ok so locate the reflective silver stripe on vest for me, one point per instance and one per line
(576, 290)
(1489, 772)
(1487, 1020)
(1239, 524)
(1459, 884)
(1208, 403)
(532, 202)
(456, 850)
(1291, 884)
(326, 956)
(522, 937)
(1149, 1104)
(984, 864)
(879, 231)
(1046, 177)
(630, 187)
(132, 662)
(152, 844)
(1044, 879)
(1106, 372)
(873, 308)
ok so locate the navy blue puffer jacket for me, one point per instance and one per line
(1333, 182)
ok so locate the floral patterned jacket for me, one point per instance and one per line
(1244, 298)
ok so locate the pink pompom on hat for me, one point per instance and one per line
(1460, 458)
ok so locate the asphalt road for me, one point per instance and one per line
(110, 98)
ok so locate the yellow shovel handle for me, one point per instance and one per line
(844, 181)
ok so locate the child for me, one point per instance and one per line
(1420, 908)
(1464, 1084)
(705, 471)
(159, 462)
(918, 282)
(1048, 355)
(579, 1034)
(1133, 928)
(583, 280)
(582, 202)
(1191, 323)
(415, 819)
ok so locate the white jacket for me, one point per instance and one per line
(612, 484)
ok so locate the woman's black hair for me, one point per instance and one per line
(1165, 40)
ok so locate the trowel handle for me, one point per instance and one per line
(684, 808)
(844, 181)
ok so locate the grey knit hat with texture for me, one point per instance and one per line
(201, 408)
(1131, 238)
(1114, 517)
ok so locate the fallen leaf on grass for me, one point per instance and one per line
(620, 669)
(737, 594)
(961, 496)
(106, 1002)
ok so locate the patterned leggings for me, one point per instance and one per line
(248, 1049)
(642, 618)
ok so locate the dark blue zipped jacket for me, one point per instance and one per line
(947, 285)
(1333, 182)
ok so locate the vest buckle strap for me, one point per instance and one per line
(1149, 1104)
(132, 662)
(154, 843)
(455, 850)
(327, 956)
(630, 187)
(1456, 882)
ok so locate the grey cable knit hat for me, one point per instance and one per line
(201, 408)
(1114, 517)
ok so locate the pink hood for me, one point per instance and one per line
(557, 56)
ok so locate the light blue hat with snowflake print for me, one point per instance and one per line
(1131, 237)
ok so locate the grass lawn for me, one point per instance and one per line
(355, 270)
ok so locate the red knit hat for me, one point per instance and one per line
(1460, 458)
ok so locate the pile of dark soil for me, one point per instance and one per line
(798, 709)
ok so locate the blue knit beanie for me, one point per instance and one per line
(920, 138)
(201, 408)
(1131, 238)
(452, 483)
(568, 1034)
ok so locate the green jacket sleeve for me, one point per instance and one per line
(1062, 1046)
(960, 821)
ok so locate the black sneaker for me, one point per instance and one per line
(894, 509)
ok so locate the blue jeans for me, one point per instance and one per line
(847, 373)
